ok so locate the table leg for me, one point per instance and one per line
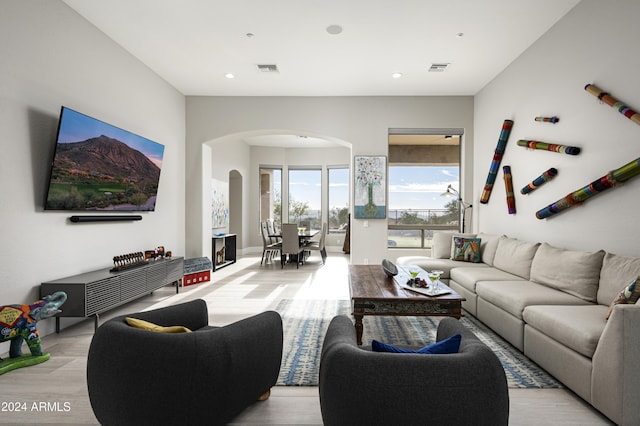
(359, 328)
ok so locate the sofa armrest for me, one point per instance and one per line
(360, 387)
(253, 347)
(615, 382)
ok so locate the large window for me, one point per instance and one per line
(305, 197)
(423, 164)
(416, 203)
(271, 194)
(338, 199)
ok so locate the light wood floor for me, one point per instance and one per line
(54, 393)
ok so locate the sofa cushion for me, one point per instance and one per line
(442, 241)
(488, 246)
(617, 272)
(450, 345)
(629, 294)
(577, 327)
(466, 249)
(468, 275)
(574, 272)
(514, 296)
(515, 256)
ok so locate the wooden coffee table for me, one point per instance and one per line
(373, 293)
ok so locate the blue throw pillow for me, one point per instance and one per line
(450, 345)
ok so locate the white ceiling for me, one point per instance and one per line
(280, 140)
(193, 43)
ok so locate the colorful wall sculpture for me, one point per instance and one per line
(508, 186)
(613, 102)
(607, 181)
(497, 158)
(552, 120)
(563, 149)
(539, 181)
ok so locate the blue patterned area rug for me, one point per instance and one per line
(305, 323)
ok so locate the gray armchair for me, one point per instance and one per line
(205, 377)
(360, 387)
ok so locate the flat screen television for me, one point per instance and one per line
(100, 167)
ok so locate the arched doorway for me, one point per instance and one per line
(236, 159)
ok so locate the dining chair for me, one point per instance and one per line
(320, 244)
(271, 227)
(269, 249)
(291, 244)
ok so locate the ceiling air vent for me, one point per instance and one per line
(267, 68)
(438, 67)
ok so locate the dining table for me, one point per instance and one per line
(303, 235)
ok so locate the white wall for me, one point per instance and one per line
(362, 122)
(229, 154)
(595, 43)
(52, 57)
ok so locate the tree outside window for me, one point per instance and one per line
(338, 199)
(305, 194)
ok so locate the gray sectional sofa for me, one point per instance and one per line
(552, 305)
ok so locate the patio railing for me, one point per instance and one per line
(414, 228)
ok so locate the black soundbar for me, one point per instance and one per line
(104, 218)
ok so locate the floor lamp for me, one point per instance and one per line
(451, 192)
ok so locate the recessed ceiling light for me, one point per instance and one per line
(460, 35)
(229, 75)
(249, 35)
(334, 29)
(396, 75)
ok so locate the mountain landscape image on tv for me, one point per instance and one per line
(97, 166)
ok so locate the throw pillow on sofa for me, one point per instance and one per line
(616, 271)
(450, 345)
(441, 244)
(466, 249)
(146, 325)
(630, 294)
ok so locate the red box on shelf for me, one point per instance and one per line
(196, 278)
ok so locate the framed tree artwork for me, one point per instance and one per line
(219, 205)
(370, 191)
